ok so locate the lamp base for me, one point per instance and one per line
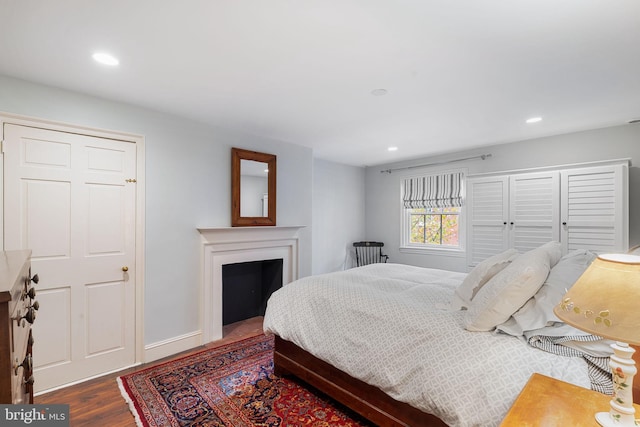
(605, 420)
(623, 369)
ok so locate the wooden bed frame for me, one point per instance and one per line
(368, 401)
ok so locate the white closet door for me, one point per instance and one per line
(487, 202)
(70, 198)
(595, 211)
(534, 210)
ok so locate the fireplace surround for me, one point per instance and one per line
(231, 245)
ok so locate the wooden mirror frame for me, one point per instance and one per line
(238, 154)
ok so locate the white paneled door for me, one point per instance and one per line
(71, 199)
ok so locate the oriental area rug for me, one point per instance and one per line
(232, 385)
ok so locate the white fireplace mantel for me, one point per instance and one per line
(230, 245)
(220, 235)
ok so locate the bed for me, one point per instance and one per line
(393, 342)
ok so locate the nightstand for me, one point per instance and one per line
(547, 402)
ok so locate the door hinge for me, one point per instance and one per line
(2, 146)
(130, 180)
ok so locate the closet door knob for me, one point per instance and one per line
(125, 268)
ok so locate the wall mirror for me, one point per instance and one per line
(253, 188)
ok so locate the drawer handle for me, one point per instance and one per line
(27, 364)
(31, 293)
(35, 279)
(30, 315)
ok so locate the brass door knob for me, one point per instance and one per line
(125, 268)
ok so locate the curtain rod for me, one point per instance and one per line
(482, 157)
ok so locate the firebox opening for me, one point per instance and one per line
(246, 287)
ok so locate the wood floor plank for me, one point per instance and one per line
(98, 402)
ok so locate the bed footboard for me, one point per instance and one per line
(366, 400)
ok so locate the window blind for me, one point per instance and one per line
(433, 191)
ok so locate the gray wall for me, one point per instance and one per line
(338, 214)
(383, 190)
(187, 186)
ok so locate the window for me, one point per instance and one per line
(432, 208)
(434, 226)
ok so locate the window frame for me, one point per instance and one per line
(430, 249)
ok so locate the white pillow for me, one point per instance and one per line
(555, 252)
(538, 311)
(479, 276)
(508, 290)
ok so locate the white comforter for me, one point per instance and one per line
(381, 324)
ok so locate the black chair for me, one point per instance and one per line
(369, 253)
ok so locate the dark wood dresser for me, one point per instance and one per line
(17, 314)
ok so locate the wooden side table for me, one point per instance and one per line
(547, 402)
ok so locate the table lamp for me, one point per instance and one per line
(605, 301)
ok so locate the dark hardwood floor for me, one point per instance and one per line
(98, 402)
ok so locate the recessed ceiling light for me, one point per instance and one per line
(379, 92)
(534, 119)
(392, 149)
(106, 59)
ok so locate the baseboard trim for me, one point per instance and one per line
(171, 346)
(83, 380)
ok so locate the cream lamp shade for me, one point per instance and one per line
(605, 302)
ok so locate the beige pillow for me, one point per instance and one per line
(555, 252)
(538, 312)
(510, 289)
(480, 275)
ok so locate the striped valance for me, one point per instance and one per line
(433, 191)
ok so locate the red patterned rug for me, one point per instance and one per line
(233, 385)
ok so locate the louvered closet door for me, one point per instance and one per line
(534, 210)
(487, 202)
(595, 209)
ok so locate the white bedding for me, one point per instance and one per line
(380, 323)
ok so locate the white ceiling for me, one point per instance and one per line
(459, 73)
